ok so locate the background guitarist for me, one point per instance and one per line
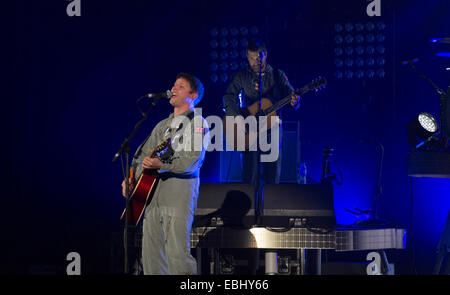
(275, 86)
(168, 218)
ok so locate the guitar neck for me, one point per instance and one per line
(284, 101)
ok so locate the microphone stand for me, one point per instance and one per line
(125, 148)
(258, 173)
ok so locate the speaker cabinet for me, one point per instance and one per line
(298, 205)
(225, 204)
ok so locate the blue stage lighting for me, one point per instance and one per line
(234, 31)
(224, 43)
(338, 39)
(224, 32)
(338, 28)
(214, 32)
(214, 55)
(349, 50)
(338, 51)
(359, 27)
(349, 27)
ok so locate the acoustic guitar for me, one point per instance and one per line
(144, 189)
(269, 110)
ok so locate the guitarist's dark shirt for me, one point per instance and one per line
(275, 87)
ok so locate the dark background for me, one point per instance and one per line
(72, 82)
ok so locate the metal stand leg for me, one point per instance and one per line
(199, 260)
(385, 267)
(271, 261)
(302, 260)
(443, 247)
(318, 262)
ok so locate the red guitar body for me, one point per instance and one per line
(145, 187)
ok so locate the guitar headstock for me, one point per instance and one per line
(318, 84)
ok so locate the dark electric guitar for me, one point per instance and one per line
(269, 110)
(144, 189)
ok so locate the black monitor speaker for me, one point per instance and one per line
(298, 205)
(225, 204)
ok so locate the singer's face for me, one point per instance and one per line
(182, 93)
(254, 60)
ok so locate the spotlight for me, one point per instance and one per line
(381, 37)
(234, 66)
(213, 43)
(223, 77)
(338, 39)
(234, 54)
(234, 42)
(359, 38)
(381, 26)
(359, 50)
(338, 28)
(349, 27)
(370, 73)
(224, 32)
(213, 66)
(348, 74)
(348, 38)
(349, 50)
(381, 61)
(381, 49)
(243, 54)
(359, 62)
(223, 66)
(359, 74)
(214, 32)
(381, 73)
(370, 26)
(370, 38)
(234, 31)
(224, 43)
(254, 30)
(214, 78)
(224, 54)
(244, 31)
(338, 51)
(359, 27)
(348, 62)
(214, 54)
(421, 129)
(370, 61)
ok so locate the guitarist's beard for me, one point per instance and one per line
(255, 68)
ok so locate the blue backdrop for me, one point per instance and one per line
(72, 83)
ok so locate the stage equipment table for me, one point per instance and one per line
(341, 239)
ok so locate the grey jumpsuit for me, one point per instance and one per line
(168, 218)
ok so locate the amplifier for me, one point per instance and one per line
(298, 205)
(225, 204)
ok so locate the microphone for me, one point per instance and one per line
(411, 61)
(166, 94)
